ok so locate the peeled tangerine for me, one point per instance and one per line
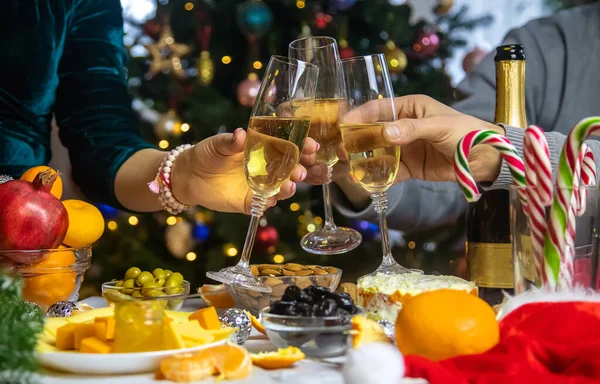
(282, 358)
(229, 362)
(365, 331)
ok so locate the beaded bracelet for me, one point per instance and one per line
(161, 185)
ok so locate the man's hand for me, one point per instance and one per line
(212, 174)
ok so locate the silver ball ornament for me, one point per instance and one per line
(389, 329)
(237, 318)
(61, 309)
(5, 178)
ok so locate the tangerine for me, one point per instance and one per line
(365, 331)
(48, 288)
(217, 295)
(31, 173)
(86, 223)
(282, 358)
(444, 323)
(256, 323)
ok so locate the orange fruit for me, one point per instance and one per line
(229, 361)
(31, 173)
(55, 259)
(365, 331)
(444, 323)
(217, 295)
(86, 223)
(282, 358)
(256, 323)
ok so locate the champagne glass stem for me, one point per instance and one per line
(257, 208)
(380, 205)
(329, 224)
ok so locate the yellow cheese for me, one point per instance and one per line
(207, 317)
(222, 333)
(178, 316)
(170, 337)
(51, 324)
(83, 331)
(83, 317)
(94, 345)
(45, 347)
(65, 337)
(192, 331)
(105, 328)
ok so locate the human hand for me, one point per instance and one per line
(428, 132)
(212, 175)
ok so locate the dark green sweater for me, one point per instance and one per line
(65, 58)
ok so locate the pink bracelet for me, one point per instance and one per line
(161, 185)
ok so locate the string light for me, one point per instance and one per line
(257, 65)
(271, 249)
(310, 227)
(171, 220)
(164, 144)
(318, 220)
(112, 225)
(278, 259)
(189, 6)
(226, 59)
(185, 127)
(133, 220)
(190, 256)
(300, 4)
(301, 219)
(262, 222)
(231, 251)
(180, 220)
(412, 245)
(294, 207)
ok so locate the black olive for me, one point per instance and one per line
(304, 309)
(305, 298)
(292, 293)
(326, 307)
(282, 308)
(316, 292)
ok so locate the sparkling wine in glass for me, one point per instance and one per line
(324, 129)
(277, 129)
(373, 163)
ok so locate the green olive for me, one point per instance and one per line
(168, 273)
(150, 286)
(159, 281)
(155, 293)
(171, 283)
(127, 286)
(137, 294)
(132, 273)
(176, 276)
(119, 283)
(143, 278)
(173, 291)
(159, 272)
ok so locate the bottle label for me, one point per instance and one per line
(491, 264)
(525, 258)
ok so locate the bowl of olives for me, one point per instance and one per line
(279, 277)
(313, 319)
(144, 285)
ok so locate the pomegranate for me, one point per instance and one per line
(31, 217)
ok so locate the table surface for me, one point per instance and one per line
(306, 371)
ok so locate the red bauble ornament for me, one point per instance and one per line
(247, 91)
(152, 28)
(426, 44)
(346, 53)
(322, 19)
(472, 59)
(266, 237)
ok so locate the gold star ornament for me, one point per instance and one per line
(166, 54)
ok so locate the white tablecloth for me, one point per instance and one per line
(304, 372)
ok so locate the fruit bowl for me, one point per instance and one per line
(317, 336)
(173, 295)
(254, 301)
(57, 277)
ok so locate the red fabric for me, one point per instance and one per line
(540, 343)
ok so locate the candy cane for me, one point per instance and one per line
(538, 177)
(461, 161)
(556, 236)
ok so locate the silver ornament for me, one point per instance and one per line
(237, 318)
(61, 309)
(5, 178)
(389, 329)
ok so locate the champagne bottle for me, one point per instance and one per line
(489, 254)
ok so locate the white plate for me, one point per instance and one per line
(111, 363)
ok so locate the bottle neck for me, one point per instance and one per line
(510, 93)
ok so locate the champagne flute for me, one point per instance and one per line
(373, 163)
(324, 129)
(277, 129)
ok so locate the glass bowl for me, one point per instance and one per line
(254, 301)
(317, 337)
(174, 299)
(49, 275)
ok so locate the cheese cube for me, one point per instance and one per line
(94, 345)
(192, 331)
(170, 337)
(83, 331)
(105, 328)
(65, 337)
(207, 317)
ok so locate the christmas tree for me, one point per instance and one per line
(194, 72)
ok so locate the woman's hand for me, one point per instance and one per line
(212, 174)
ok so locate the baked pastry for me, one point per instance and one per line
(383, 295)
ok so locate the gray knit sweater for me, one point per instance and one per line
(562, 87)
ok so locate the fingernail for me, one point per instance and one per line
(318, 146)
(293, 188)
(235, 133)
(392, 131)
(303, 175)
